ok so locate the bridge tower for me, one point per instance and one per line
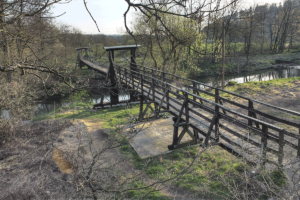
(111, 75)
(86, 56)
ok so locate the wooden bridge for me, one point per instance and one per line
(238, 127)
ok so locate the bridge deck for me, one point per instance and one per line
(101, 70)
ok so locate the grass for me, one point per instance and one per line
(109, 117)
(203, 174)
(137, 194)
(253, 87)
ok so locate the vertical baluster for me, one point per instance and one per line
(280, 149)
(175, 133)
(164, 80)
(187, 116)
(250, 106)
(168, 99)
(217, 110)
(153, 89)
(194, 90)
(132, 98)
(141, 98)
(264, 142)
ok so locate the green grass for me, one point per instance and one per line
(252, 87)
(200, 179)
(109, 117)
(275, 180)
(137, 194)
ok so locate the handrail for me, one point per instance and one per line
(226, 91)
(212, 103)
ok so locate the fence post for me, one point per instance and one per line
(164, 80)
(175, 133)
(153, 90)
(217, 110)
(132, 98)
(187, 116)
(250, 106)
(168, 99)
(141, 98)
(280, 150)
(264, 141)
(194, 90)
(114, 97)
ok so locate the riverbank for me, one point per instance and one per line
(255, 63)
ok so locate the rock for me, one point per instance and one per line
(60, 140)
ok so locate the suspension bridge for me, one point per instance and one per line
(232, 121)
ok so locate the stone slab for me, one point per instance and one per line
(154, 137)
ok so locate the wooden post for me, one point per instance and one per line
(141, 99)
(175, 133)
(187, 116)
(168, 99)
(264, 141)
(223, 57)
(153, 90)
(250, 106)
(114, 97)
(164, 80)
(133, 63)
(194, 90)
(132, 98)
(196, 134)
(280, 150)
(217, 111)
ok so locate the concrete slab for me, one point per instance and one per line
(154, 137)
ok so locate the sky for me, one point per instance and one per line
(107, 13)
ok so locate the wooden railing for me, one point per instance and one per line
(158, 87)
(144, 80)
